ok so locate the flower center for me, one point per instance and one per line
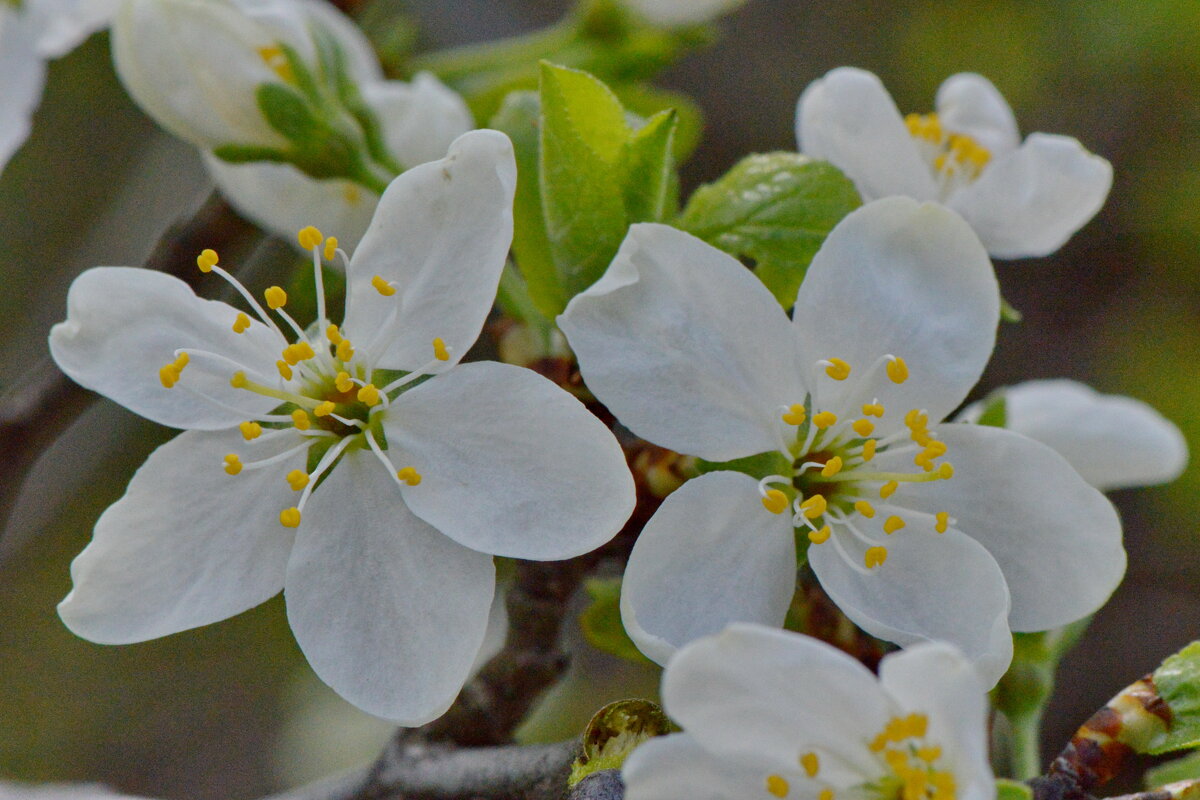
(911, 762)
(955, 158)
(833, 487)
(331, 396)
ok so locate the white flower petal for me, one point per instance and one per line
(1030, 201)
(511, 464)
(762, 697)
(971, 104)
(389, 612)
(187, 545)
(709, 556)
(903, 278)
(420, 119)
(849, 119)
(676, 13)
(194, 66)
(936, 679)
(1112, 441)
(281, 199)
(24, 76)
(932, 587)
(675, 767)
(124, 324)
(441, 233)
(65, 24)
(685, 346)
(1057, 539)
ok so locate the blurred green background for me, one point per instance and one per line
(232, 711)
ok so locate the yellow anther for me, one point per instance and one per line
(301, 419)
(324, 409)
(276, 297)
(233, 464)
(343, 382)
(838, 369)
(284, 370)
(333, 334)
(879, 742)
(865, 508)
(250, 430)
(873, 410)
(869, 449)
(814, 506)
(168, 375)
(298, 351)
(369, 395)
(897, 370)
(274, 57)
(826, 794)
(943, 521)
(888, 489)
(775, 501)
(309, 237)
(916, 419)
(935, 448)
(290, 517)
(811, 764)
(892, 524)
(914, 123)
(206, 260)
(929, 754)
(875, 556)
(238, 381)
(795, 415)
(345, 350)
(832, 467)
(824, 419)
(331, 248)
(946, 471)
(182, 361)
(820, 536)
(921, 436)
(917, 725)
(777, 785)
(409, 476)
(241, 323)
(382, 286)
(297, 479)
(864, 427)
(439, 350)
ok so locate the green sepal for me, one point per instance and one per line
(288, 112)
(1008, 313)
(601, 621)
(519, 118)
(774, 209)
(1012, 790)
(1178, 684)
(995, 411)
(317, 451)
(614, 732)
(758, 466)
(246, 153)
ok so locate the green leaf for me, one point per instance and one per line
(1186, 768)
(646, 100)
(583, 137)
(995, 411)
(649, 164)
(614, 732)
(519, 117)
(288, 113)
(756, 466)
(775, 209)
(601, 621)
(1178, 684)
(1012, 790)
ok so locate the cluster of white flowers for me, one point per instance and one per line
(371, 476)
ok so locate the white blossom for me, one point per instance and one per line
(892, 326)
(359, 467)
(770, 714)
(1022, 198)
